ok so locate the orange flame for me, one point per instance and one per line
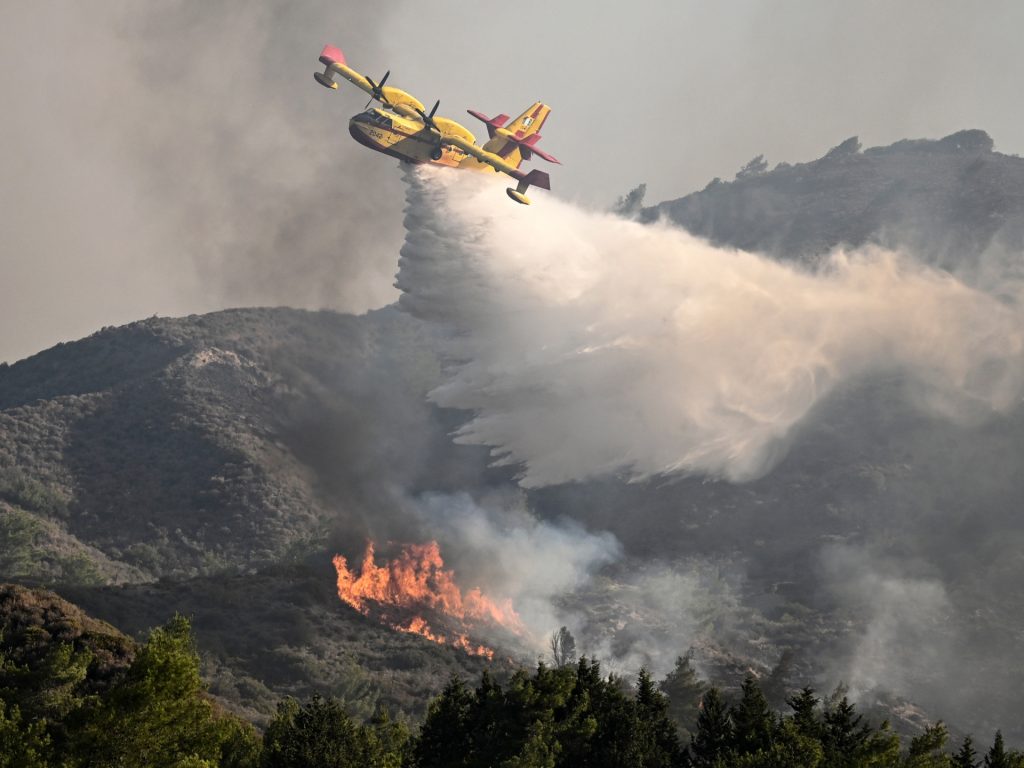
(417, 580)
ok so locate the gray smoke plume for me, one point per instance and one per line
(177, 157)
(585, 344)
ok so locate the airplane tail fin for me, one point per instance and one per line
(516, 141)
(329, 56)
(530, 121)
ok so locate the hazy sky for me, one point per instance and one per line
(178, 157)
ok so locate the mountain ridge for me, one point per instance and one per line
(213, 464)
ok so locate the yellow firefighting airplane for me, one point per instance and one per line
(404, 129)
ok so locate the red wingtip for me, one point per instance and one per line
(331, 55)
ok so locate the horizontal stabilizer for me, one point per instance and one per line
(493, 123)
(534, 178)
(545, 156)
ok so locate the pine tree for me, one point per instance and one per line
(443, 735)
(966, 756)
(996, 756)
(578, 725)
(615, 741)
(319, 734)
(844, 734)
(926, 749)
(805, 713)
(659, 742)
(714, 737)
(752, 718)
(684, 690)
(157, 714)
(388, 740)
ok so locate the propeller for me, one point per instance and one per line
(428, 120)
(378, 89)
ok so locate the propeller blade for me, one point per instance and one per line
(373, 86)
(436, 105)
(377, 88)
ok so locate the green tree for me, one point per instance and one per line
(615, 741)
(967, 755)
(997, 757)
(156, 715)
(22, 745)
(927, 750)
(536, 752)
(685, 690)
(849, 742)
(241, 746)
(578, 725)
(712, 743)
(789, 749)
(844, 733)
(805, 713)
(753, 720)
(442, 738)
(319, 734)
(388, 740)
(659, 742)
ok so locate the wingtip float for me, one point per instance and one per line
(403, 128)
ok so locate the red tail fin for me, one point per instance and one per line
(331, 55)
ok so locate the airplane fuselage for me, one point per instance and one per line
(408, 140)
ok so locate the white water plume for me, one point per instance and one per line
(585, 344)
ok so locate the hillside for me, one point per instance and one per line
(213, 464)
(173, 448)
(166, 454)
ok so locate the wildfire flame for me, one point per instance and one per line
(415, 581)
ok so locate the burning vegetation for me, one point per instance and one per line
(415, 585)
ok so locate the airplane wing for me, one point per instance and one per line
(481, 154)
(534, 178)
(395, 98)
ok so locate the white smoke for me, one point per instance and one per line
(648, 613)
(498, 542)
(906, 624)
(557, 573)
(586, 344)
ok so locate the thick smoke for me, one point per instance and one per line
(625, 612)
(586, 344)
(178, 157)
(496, 540)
